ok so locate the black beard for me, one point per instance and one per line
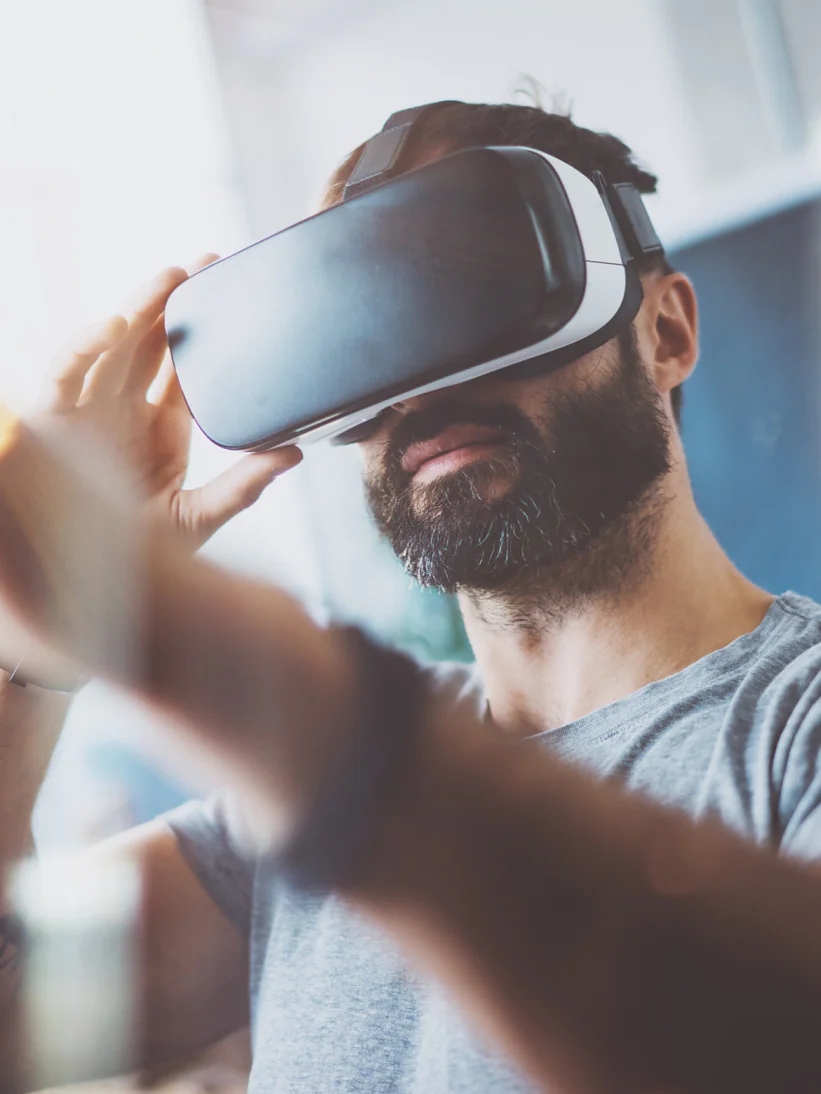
(584, 476)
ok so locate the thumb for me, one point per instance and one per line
(208, 507)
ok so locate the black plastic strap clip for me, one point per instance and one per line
(381, 155)
(631, 217)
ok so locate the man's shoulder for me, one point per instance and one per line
(792, 648)
(774, 710)
(789, 723)
(803, 611)
(766, 681)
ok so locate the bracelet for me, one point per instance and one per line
(61, 687)
(337, 827)
(14, 675)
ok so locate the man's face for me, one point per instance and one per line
(485, 483)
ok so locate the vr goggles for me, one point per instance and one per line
(487, 259)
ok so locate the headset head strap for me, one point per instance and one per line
(380, 159)
(629, 214)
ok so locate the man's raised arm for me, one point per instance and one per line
(194, 962)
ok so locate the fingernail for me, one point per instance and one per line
(114, 328)
(201, 262)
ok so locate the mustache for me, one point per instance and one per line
(424, 425)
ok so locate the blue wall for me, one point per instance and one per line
(752, 414)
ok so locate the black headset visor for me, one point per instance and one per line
(462, 261)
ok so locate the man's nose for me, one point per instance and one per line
(479, 389)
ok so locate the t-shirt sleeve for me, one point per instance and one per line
(208, 834)
(800, 790)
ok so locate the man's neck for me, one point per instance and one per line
(544, 671)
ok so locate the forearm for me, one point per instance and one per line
(610, 944)
(607, 942)
(249, 671)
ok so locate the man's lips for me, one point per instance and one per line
(452, 440)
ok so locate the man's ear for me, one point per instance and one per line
(667, 328)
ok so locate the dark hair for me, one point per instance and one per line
(464, 125)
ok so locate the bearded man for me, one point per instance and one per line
(609, 628)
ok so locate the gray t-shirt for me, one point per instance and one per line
(736, 735)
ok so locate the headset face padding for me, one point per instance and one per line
(488, 259)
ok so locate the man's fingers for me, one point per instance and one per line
(209, 507)
(148, 359)
(111, 371)
(152, 350)
(154, 346)
(167, 392)
(70, 368)
(201, 262)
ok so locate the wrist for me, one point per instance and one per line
(379, 737)
(427, 828)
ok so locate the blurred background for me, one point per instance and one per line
(140, 133)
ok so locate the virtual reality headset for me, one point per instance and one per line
(493, 258)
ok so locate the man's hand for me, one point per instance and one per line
(102, 381)
(117, 380)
